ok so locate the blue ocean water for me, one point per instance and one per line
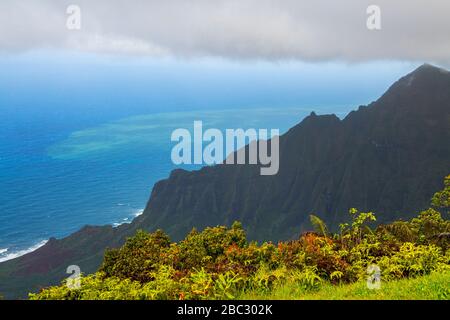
(59, 174)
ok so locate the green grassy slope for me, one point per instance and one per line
(435, 286)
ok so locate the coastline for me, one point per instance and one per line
(15, 254)
(5, 255)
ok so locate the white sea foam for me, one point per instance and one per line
(138, 213)
(129, 220)
(16, 254)
(3, 250)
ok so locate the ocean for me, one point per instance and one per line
(59, 173)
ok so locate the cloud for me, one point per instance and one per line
(236, 29)
(115, 44)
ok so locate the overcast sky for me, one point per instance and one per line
(319, 30)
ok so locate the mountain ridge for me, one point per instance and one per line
(373, 129)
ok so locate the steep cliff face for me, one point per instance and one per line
(388, 157)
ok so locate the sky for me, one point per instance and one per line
(212, 53)
(62, 83)
(319, 30)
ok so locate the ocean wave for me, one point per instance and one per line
(135, 214)
(138, 213)
(123, 204)
(16, 254)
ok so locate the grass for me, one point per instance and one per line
(431, 287)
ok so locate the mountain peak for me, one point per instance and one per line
(424, 80)
(427, 68)
(425, 71)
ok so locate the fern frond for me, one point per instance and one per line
(318, 224)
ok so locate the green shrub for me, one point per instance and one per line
(413, 260)
(138, 258)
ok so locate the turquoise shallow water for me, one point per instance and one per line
(54, 179)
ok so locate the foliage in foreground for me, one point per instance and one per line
(219, 262)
